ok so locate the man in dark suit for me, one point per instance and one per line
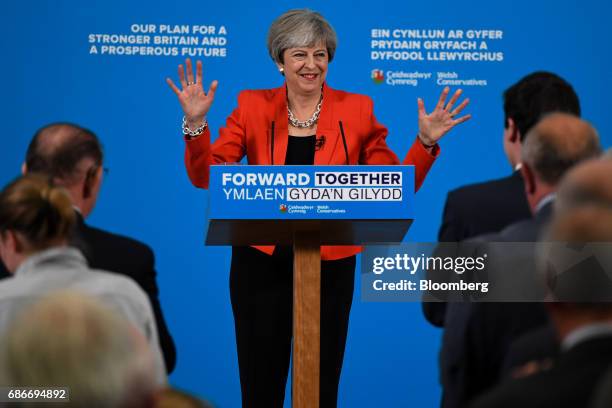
(582, 317)
(478, 335)
(586, 184)
(488, 207)
(72, 156)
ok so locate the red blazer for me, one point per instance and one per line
(248, 131)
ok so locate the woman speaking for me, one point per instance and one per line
(303, 122)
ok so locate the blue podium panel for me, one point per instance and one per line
(347, 204)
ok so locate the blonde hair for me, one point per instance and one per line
(39, 211)
(69, 340)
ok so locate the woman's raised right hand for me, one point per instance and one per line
(194, 101)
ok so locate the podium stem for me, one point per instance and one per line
(306, 319)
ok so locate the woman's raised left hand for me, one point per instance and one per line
(436, 124)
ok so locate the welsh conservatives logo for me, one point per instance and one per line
(283, 208)
(378, 76)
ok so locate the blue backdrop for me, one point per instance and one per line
(50, 73)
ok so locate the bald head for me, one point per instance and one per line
(577, 262)
(558, 142)
(64, 152)
(588, 184)
(582, 224)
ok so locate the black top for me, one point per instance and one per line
(300, 150)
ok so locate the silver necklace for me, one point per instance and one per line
(308, 122)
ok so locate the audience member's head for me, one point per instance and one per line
(72, 157)
(72, 341)
(527, 101)
(587, 184)
(579, 273)
(552, 147)
(578, 267)
(34, 216)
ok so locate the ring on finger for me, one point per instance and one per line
(190, 83)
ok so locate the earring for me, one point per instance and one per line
(281, 70)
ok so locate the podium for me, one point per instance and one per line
(308, 206)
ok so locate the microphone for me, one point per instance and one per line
(319, 142)
(344, 142)
(272, 144)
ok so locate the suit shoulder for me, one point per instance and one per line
(119, 254)
(503, 193)
(470, 190)
(520, 231)
(117, 241)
